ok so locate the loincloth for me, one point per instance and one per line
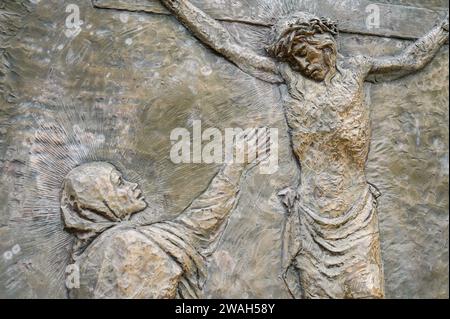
(333, 257)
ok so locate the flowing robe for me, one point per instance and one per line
(161, 260)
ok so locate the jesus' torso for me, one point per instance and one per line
(330, 129)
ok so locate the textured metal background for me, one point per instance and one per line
(128, 79)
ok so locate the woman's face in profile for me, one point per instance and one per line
(123, 197)
(100, 188)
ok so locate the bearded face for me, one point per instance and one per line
(314, 57)
(307, 43)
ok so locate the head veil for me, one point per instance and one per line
(85, 213)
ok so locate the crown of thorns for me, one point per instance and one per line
(296, 32)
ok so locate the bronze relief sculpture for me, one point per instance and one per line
(89, 105)
(332, 247)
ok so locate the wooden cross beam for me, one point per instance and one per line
(395, 21)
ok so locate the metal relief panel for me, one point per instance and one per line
(115, 121)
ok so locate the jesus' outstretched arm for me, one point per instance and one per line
(413, 58)
(213, 34)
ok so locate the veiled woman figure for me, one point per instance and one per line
(332, 247)
(119, 259)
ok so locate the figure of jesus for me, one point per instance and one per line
(333, 242)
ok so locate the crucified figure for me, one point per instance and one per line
(332, 247)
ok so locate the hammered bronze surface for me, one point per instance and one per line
(93, 204)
